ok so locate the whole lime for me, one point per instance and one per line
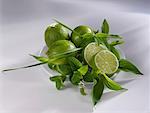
(56, 51)
(76, 35)
(55, 32)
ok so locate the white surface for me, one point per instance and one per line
(29, 91)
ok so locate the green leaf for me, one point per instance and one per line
(117, 42)
(129, 67)
(74, 61)
(40, 58)
(110, 83)
(83, 70)
(105, 27)
(59, 81)
(76, 78)
(86, 39)
(88, 77)
(114, 36)
(82, 91)
(115, 51)
(51, 66)
(103, 35)
(97, 90)
(64, 69)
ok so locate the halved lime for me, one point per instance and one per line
(106, 62)
(90, 51)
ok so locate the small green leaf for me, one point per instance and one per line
(105, 27)
(97, 90)
(114, 36)
(115, 51)
(74, 61)
(129, 67)
(64, 69)
(88, 77)
(76, 78)
(82, 91)
(86, 39)
(59, 80)
(40, 58)
(103, 35)
(110, 83)
(83, 70)
(117, 42)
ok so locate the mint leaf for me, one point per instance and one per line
(117, 42)
(128, 67)
(76, 78)
(115, 51)
(103, 35)
(97, 90)
(74, 61)
(83, 70)
(114, 36)
(82, 91)
(105, 27)
(59, 81)
(86, 39)
(110, 83)
(64, 69)
(88, 77)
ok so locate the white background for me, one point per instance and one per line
(22, 25)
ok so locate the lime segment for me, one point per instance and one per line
(106, 62)
(90, 51)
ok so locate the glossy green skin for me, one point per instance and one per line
(80, 30)
(59, 47)
(54, 33)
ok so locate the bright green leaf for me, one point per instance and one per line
(83, 70)
(105, 27)
(129, 67)
(117, 42)
(110, 83)
(59, 81)
(76, 78)
(114, 36)
(97, 90)
(115, 51)
(82, 91)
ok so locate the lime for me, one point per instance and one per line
(55, 32)
(90, 51)
(80, 30)
(59, 47)
(106, 62)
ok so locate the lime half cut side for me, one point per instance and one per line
(106, 62)
(90, 51)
